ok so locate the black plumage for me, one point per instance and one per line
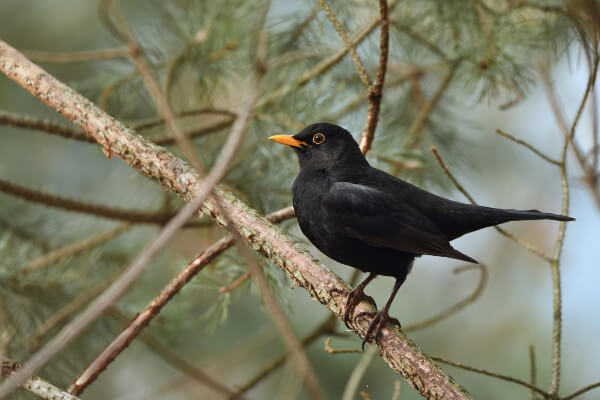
(368, 219)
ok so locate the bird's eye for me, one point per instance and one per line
(318, 138)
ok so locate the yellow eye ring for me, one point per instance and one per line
(318, 138)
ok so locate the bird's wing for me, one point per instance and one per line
(381, 220)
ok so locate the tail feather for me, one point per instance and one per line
(453, 253)
(522, 215)
(470, 218)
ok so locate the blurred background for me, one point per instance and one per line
(465, 68)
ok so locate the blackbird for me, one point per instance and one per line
(368, 219)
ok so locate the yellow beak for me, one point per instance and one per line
(288, 140)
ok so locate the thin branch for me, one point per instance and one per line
(327, 327)
(493, 375)
(569, 138)
(35, 384)
(589, 175)
(294, 346)
(502, 231)
(528, 146)
(97, 210)
(357, 374)
(28, 122)
(68, 57)
(176, 361)
(459, 305)
(235, 284)
(325, 64)
(141, 64)
(397, 388)
(143, 318)
(189, 113)
(375, 92)
(412, 135)
(362, 71)
(532, 372)
(396, 349)
(327, 347)
(582, 391)
(73, 249)
(423, 41)
(65, 312)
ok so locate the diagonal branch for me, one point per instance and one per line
(397, 350)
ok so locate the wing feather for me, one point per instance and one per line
(380, 220)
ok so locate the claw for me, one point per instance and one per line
(374, 330)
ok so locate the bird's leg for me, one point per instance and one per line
(354, 297)
(382, 316)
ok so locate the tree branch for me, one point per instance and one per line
(97, 210)
(375, 92)
(35, 384)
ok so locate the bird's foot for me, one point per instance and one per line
(374, 330)
(353, 297)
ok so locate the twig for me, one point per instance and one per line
(412, 136)
(582, 391)
(362, 71)
(569, 135)
(357, 373)
(189, 113)
(397, 388)
(327, 347)
(502, 231)
(589, 174)
(493, 375)
(327, 327)
(397, 350)
(294, 346)
(68, 57)
(459, 305)
(532, 372)
(73, 248)
(65, 312)
(365, 395)
(325, 64)
(97, 210)
(528, 146)
(143, 318)
(375, 92)
(235, 284)
(35, 384)
(28, 122)
(121, 29)
(176, 361)
(423, 41)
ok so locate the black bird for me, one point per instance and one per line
(368, 219)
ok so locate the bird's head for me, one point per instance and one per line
(322, 146)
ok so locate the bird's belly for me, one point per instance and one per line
(349, 251)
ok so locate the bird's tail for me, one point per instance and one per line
(522, 215)
(473, 218)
